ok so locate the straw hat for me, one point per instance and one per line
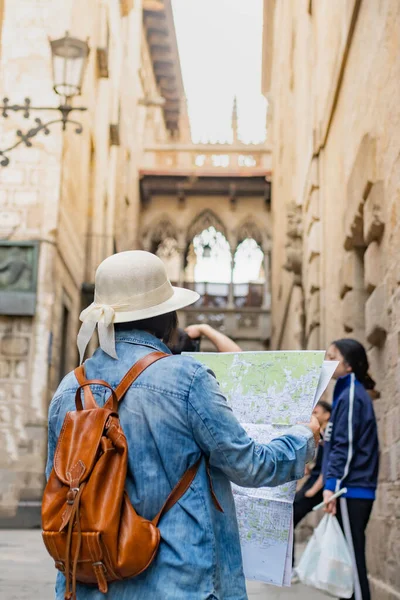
(129, 286)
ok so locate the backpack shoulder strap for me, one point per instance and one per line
(134, 372)
(181, 488)
(90, 402)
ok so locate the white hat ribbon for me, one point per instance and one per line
(103, 316)
(129, 286)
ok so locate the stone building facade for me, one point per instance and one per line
(132, 179)
(331, 73)
(70, 200)
(189, 189)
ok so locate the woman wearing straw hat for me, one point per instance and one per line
(173, 414)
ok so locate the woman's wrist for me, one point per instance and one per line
(204, 328)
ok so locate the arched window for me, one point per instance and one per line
(213, 257)
(209, 262)
(161, 240)
(168, 251)
(248, 274)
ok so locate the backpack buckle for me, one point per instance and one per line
(72, 492)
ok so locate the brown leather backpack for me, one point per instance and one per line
(90, 527)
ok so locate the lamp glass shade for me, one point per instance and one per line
(69, 56)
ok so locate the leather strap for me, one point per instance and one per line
(120, 391)
(183, 485)
(181, 488)
(90, 402)
(134, 373)
(212, 492)
(88, 382)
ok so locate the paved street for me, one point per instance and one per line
(26, 572)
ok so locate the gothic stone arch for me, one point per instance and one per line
(249, 229)
(203, 221)
(162, 229)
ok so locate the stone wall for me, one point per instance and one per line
(29, 196)
(77, 195)
(335, 128)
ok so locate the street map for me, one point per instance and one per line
(268, 392)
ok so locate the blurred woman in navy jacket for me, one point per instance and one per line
(351, 452)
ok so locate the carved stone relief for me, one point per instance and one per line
(294, 240)
(163, 229)
(18, 275)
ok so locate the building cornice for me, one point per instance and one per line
(161, 38)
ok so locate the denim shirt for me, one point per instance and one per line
(172, 414)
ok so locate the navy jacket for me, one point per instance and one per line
(351, 449)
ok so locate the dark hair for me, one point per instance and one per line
(164, 327)
(184, 343)
(325, 405)
(354, 354)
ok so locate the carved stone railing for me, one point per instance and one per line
(251, 325)
(208, 157)
(243, 317)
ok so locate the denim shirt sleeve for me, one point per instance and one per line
(52, 435)
(221, 437)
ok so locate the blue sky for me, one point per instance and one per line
(220, 51)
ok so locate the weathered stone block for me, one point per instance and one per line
(351, 272)
(21, 369)
(26, 197)
(14, 346)
(312, 209)
(359, 184)
(380, 590)
(384, 467)
(376, 362)
(373, 217)
(5, 369)
(314, 339)
(313, 275)
(353, 318)
(376, 317)
(12, 176)
(313, 241)
(6, 324)
(9, 220)
(372, 267)
(313, 312)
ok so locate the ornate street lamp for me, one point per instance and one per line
(69, 58)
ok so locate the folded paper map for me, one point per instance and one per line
(268, 392)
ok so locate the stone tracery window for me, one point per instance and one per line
(213, 256)
(169, 253)
(162, 240)
(209, 260)
(248, 262)
(248, 274)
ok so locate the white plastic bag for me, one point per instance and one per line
(326, 562)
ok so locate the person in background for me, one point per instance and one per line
(351, 453)
(188, 340)
(310, 494)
